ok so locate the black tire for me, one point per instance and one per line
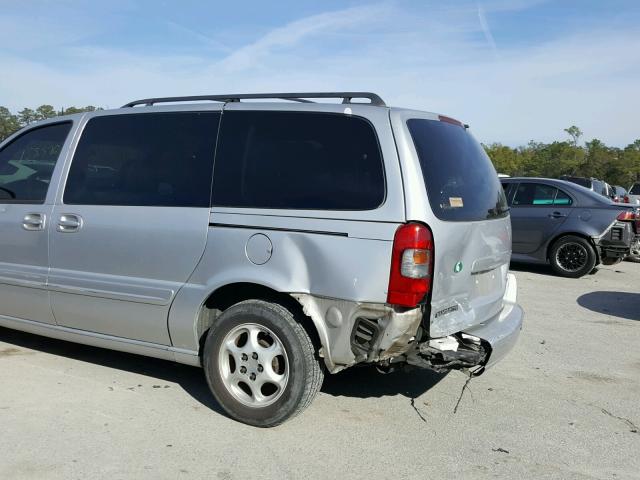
(572, 256)
(305, 374)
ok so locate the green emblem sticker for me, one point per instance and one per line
(457, 268)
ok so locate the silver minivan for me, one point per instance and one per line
(267, 241)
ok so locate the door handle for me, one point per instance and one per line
(557, 215)
(34, 221)
(69, 223)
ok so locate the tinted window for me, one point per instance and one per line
(635, 190)
(27, 163)
(508, 190)
(562, 199)
(461, 182)
(298, 161)
(154, 159)
(534, 194)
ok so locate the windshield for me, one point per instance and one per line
(461, 182)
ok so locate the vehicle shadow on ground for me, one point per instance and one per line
(366, 381)
(356, 382)
(191, 379)
(540, 268)
(618, 304)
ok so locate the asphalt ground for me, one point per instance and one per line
(565, 404)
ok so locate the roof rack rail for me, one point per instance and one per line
(296, 97)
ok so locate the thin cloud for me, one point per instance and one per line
(294, 32)
(486, 30)
(434, 59)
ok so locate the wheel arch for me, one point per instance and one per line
(230, 294)
(558, 236)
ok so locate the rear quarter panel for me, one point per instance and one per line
(337, 254)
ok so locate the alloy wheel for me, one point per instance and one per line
(253, 365)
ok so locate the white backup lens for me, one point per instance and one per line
(415, 263)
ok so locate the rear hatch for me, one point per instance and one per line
(469, 219)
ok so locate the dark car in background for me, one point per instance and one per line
(598, 186)
(619, 193)
(566, 225)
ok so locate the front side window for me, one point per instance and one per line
(148, 159)
(27, 163)
(298, 160)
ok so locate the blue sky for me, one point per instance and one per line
(514, 70)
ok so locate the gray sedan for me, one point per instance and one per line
(566, 225)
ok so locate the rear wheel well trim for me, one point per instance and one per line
(224, 296)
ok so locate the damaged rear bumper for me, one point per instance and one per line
(501, 332)
(477, 347)
(354, 332)
(616, 241)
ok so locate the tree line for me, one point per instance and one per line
(617, 166)
(12, 122)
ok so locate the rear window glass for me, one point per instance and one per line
(298, 160)
(461, 182)
(635, 190)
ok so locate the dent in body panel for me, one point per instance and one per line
(327, 266)
(475, 293)
(335, 321)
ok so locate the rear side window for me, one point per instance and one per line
(562, 199)
(540, 194)
(148, 159)
(534, 194)
(298, 160)
(461, 182)
(27, 163)
(635, 190)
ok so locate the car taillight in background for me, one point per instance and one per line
(626, 199)
(411, 265)
(630, 216)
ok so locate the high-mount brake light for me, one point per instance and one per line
(411, 265)
(453, 121)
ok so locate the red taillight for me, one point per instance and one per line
(626, 199)
(411, 265)
(627, 216)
